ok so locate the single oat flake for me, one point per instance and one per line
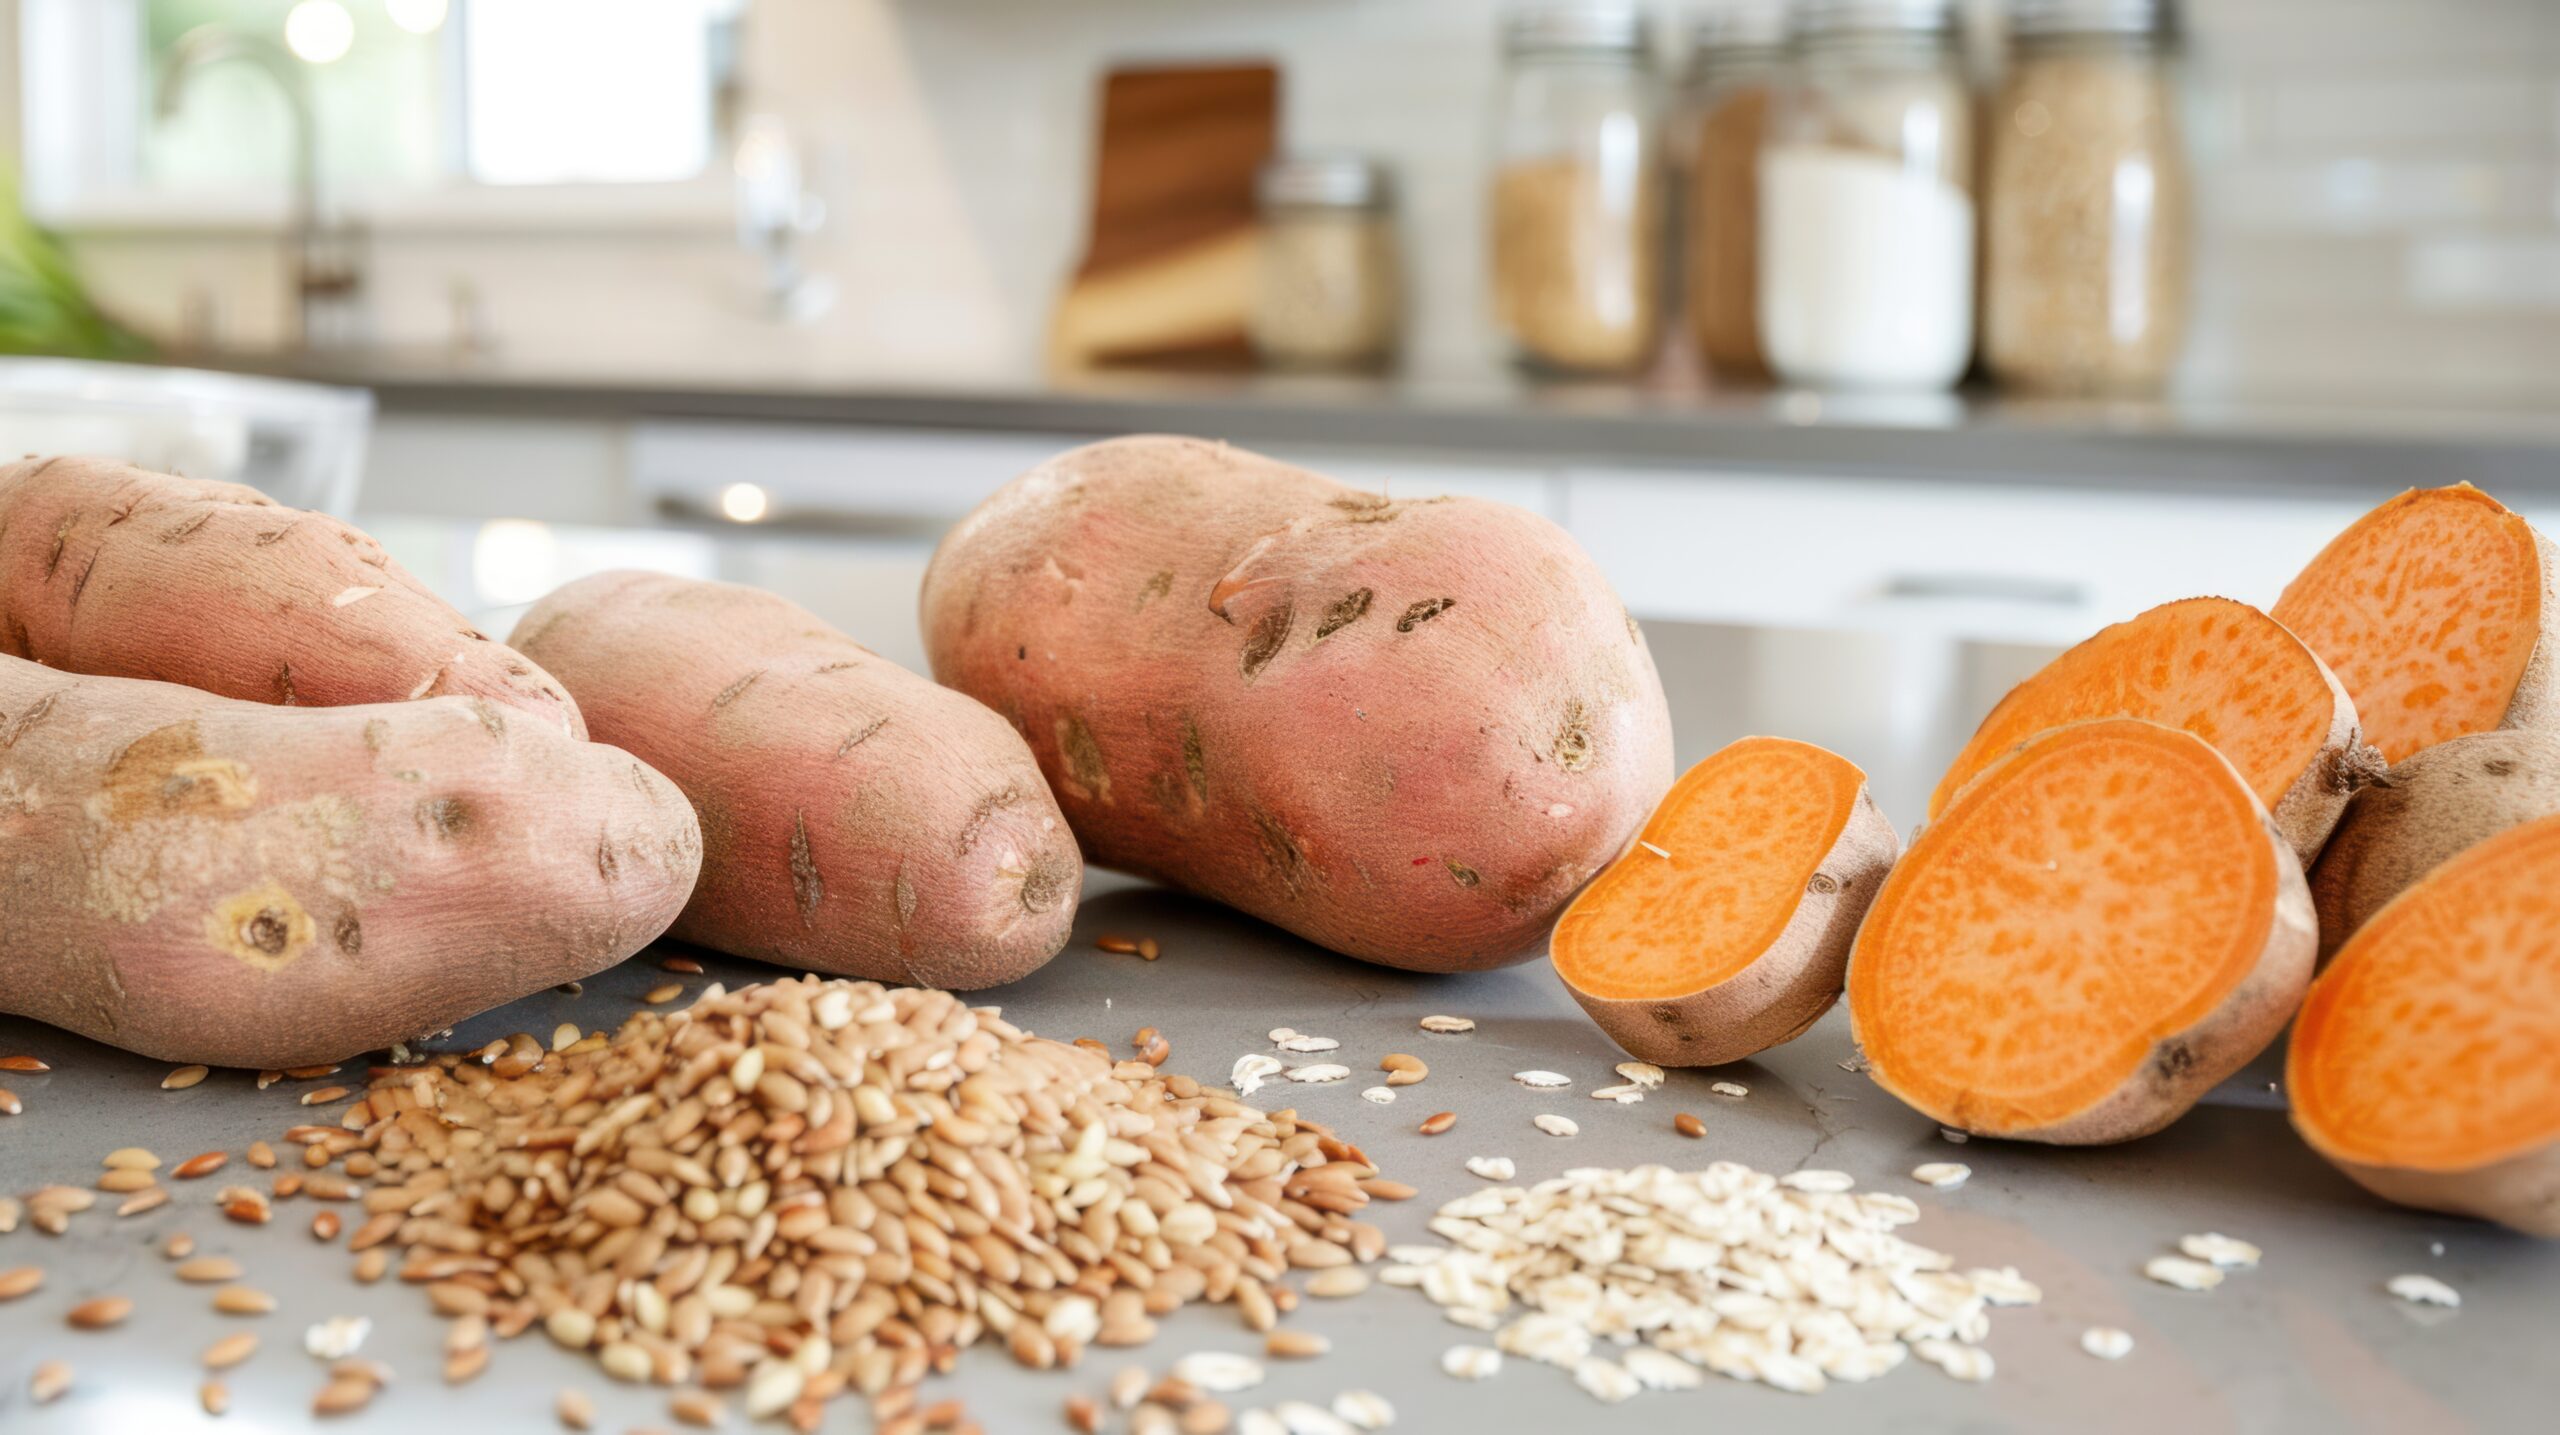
(2106, 1342)
(2215, 1248)
(2183, 1273)
(1555, 1125)
(1641, 1073)
(1447, 1025)
(1492, 1168)
(1471, 1362)
(1322, 1071)
(1730, 1088)
(1542, 1078)
(1379, 1095)
(2423, 1290)
(1306, 1045)
(1945, 1175)
(1623, 1095)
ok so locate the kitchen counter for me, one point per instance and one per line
(2266, 444)
(2308, 1342)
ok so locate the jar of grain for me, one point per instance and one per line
(2085, 227)
(1736, 57)
(1330, 281)
(1866, 201)
(1575, 204)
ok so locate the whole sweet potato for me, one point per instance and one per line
(125, 573)
(205, 880)
(856, 819)
(1405, 730)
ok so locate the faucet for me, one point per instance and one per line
(319, 270)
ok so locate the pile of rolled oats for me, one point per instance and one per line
(1793, 1281)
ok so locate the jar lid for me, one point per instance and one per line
(1740, 25)
(1821, 19)
(1611, 27)
(1326, 181)
(2051, 19)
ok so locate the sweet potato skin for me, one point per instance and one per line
(121, 572)
(2520, 1192)
(1406, 731)
(857, 819)
(200, 879)
(2428, 807)
(1788, 987)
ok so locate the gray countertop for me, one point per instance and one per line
(2308, 1342)
(2273, 442)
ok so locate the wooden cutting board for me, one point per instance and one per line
(1168, 270)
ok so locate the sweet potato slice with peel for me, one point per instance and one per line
(2443, 801)
(2093, 933)
(1725, 930)
(2426, 1063)
(2435, 610)
(2219, 669)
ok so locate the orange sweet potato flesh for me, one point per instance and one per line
(124, 573)
(1408, 730)
(2426, 1060)
(1725, 930)
(2092, 934)
(2219, 669)
(2433, 609)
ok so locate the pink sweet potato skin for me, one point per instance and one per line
(857, 819)
(205, 880)
(1407, 731)
(125, 573)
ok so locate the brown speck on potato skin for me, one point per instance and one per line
(285, 694)
(1158, 585)
(1574, 745)
(808, 888)
(1280, 852)
(188, 529)
(861, 735)
(348, 933)
(1460, 872)
(446, 817)
(731, 693)
(1346, 610)
(608, 866)
(1083, 757)
(1424, 612)
(1264, 640)
(1195, 761)
(979, 812)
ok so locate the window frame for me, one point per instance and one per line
(81, 87)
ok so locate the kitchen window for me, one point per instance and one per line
(182, 113)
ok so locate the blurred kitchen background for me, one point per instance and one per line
(1875, 347)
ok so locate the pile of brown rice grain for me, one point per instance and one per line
(809, 1188)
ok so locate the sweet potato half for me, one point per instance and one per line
(2436, 610)
(125, 573)
(1725, 929)
(2216, 668)
(2447, 798)
(1409, 731)
(2426, 1061)
(856, 819)
(205, 880)
(2093, 933)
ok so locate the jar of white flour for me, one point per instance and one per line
(1867, 201)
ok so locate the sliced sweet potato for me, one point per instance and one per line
(2219, 669)
(1725, 930)
(2093, 933)
(2435, 610)
(2426, 1062)
(2444, 800)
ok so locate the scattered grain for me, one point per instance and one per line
(184, 1077)
(322, 1096)
(1730, 1088)
(243, 1300)
(20, 1280)
(1295, 1345)
(2183, 1273)
(1320, 1073)
(1688, 1125)
(1438, 1121)
(1625, 1095)
(2423, 1290)
(1944, 1175)
(215, 1397)
(337, 1337)
(1379, 1095)
(344, 1395)
(1492, 1168)
(1471, 1362)
(681, 966)
(206, 1164)
(147, 1200)
(1542, 1079)
(230, 1350)
(1447, 1025)
(2106, 1342)
(698, 1409)
(51, 1381)
(23, 1063)
(1555, 1125)
(1301, 1044)
(575, 1410)
(1223, 1372)
(131, 1158)
(208, 1270)
(1338, 1283)
(661, 995)
(99, 1312)
(2215, 1248)
(179, 1246)
(1364, 1410)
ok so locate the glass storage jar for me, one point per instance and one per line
(2085, 263)
(1330, 287)
(1575, 199)
(1737, 57)
(1866, 201)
